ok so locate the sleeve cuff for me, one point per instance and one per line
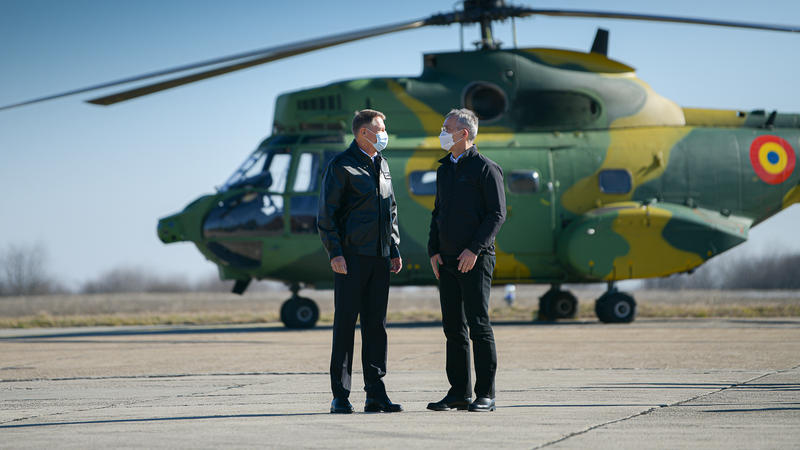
(475, 248)
(334, 253)
(394, 252)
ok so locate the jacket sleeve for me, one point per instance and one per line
(394, 244)
(330, 196)
(433, 236)
(494, 197)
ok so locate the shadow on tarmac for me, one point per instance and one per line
(232, 329)
(279, 328)
(160, 419)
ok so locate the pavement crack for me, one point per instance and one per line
(656, 408)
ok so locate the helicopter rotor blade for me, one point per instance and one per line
(474, 12)
(240, 61)
(524, 12)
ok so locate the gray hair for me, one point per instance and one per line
(466, 119)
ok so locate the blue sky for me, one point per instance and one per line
(90, 182)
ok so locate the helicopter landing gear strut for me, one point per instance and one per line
(557, 304)
(299, 312)
(615, 306)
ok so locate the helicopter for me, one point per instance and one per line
(606, 180)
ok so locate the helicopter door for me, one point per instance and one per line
(305, 194)
(525, 247)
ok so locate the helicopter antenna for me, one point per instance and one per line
(514, 31)
(600, 44)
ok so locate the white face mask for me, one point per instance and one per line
(446, 140)
(382, 140)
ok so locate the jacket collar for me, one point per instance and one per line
(356, 151)
(472, 151)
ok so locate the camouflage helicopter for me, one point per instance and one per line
(606, 180)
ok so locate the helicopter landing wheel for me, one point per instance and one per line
(557, 304)
(615, 307)
(299, 313)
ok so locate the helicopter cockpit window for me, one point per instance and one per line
(249, 170)
(264, 169)
(523, 181)
(615, 181)
(248, 214)
(422, 182)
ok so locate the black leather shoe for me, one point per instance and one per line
(482, 404)
(448, 403)
(381, 404)
(341, 406)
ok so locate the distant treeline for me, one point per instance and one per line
(24, 271)
(744, 272)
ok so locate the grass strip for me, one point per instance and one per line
(586, 311)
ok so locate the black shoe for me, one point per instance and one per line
(448, 403)
(341, 405)
(381, 404)
(482, 404)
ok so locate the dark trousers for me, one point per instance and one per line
(464, 298)
(363, 291)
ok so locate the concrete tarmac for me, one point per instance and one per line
(721, 383)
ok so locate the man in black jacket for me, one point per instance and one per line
(357, 222)
(469, 209)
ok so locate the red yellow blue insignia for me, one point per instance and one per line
(772, 158)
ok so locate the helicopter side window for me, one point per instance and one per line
(523, 181)
(555, 109)
(422, 182)
(279, 172)
(307, 175)
(615, 181)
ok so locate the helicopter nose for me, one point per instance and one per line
(170, 229)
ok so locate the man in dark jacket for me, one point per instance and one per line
(469, 209)
(357, 222)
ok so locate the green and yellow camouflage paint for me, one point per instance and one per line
(606, 180)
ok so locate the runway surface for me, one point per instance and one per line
(719, 383)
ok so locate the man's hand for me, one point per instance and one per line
(339, 265)
(436, 261)
(397, 265)
(466, 260)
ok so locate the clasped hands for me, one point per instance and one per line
(466, 261)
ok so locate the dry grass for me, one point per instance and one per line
(405, 305)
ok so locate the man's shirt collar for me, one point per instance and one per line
(455, 160)
(370, 157)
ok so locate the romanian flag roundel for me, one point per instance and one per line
(772, 158)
